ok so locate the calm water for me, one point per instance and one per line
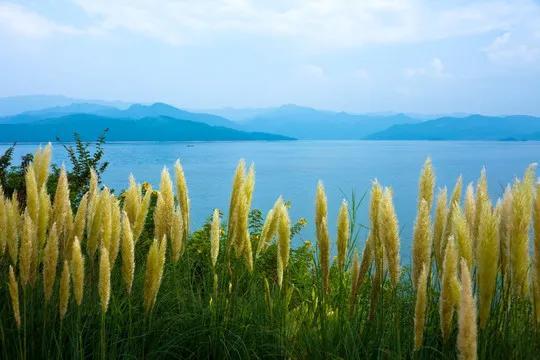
(292, 169)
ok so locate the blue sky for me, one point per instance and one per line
(352, 55)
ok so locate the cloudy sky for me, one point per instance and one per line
(353, 55)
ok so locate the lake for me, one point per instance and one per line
(292, 169)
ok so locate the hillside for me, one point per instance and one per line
(307, 123)
(135, 111)
(473, 127)
(89, 126)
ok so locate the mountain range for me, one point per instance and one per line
(46, 118)
(472, 127)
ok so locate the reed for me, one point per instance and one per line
(450, 288)
(487, 259)
(104, 279)
(77, 271)
(128, 253)
(421, 242)
(467, 333)
(283, 299)
(390, 234)
(323, 238)
(343, 234)
(420, 308)
(65, 282)
(50, 261)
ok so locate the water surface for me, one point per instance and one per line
(292, 169)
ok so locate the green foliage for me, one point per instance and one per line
(82, 160)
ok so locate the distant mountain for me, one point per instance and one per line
(89, 126)
(307, 123)
(135, 111)
(473, 127)
(13, 105)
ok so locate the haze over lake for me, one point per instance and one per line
(292, 168)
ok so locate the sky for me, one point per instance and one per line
(413, 56)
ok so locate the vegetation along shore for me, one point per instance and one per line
(89, 273)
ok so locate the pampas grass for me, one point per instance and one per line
(281, 300)
(467, 333)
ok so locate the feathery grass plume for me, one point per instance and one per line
(249, 183)
(3, 222)
(95, 218)
(43, 216)
(215, 230)
(480, 199)
(420, 308)
(522, 203)
(132, 199)
(104, 279)
(77, 270)
(183, 197)
(324, 254)
(26, 251)
(284, 242)
(163, 212)
(439, 224)
(323, 238)
(243, 208)
(138, 225)
(154, 272)
(355, 273)
(454, 198)
(505, 231)
(65, 280)
(449, 295)
(237, 190)
(375, 234)
(61, 203)
(487, 259)
(426, 185)
(116, 226)
(13, 218)
(50, 261)
(42, 161)
(128, 253)
(243, 246)
(79, 223)
(536, 262)
(106, 220)
(32, 193)
(343, 233)
(421, 242)
(321, 207)
(177, 234)
(389, 226)
(14, 294)
(365, 263)
(469, 207)
(467, 333)
(93, 197)
(94, 183)
(460, 230)
(269, 229)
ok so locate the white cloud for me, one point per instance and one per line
(321, 23)
(507, 49)
(18, 20)
(312, 72)
(435, 69)
(324, 24)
